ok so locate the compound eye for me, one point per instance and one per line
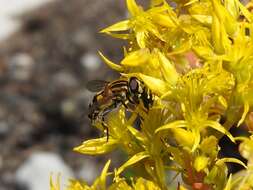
(133, 84)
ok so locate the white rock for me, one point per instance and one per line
(9, 9)
(69, 107)
(90, 61)
(4, 128)
(36, 170)
(20, 66)
(64, 79)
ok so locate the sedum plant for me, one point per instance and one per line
(196, 56)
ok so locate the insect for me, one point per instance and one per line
(127, 92)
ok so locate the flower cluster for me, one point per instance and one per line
(196, 56)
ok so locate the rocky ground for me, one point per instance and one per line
(43, 99)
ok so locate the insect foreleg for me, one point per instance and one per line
(105, 128)
(105, 112)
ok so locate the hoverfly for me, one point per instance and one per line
(110, 95)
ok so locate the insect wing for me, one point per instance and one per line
(96, 85)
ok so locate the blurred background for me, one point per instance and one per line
(48, 52)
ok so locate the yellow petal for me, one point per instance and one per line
(120, 36)
(216, 36)
(104, 175)
(246, 12)
(55, 186)
(156, 85)
(217, 126)
(141, 38)
(229, 185)
(233, 160)
(174, 124)
(205, 52)
(136, 58)
(246, 149)
(183, 137)
(180, 187)
(97, 146)
(143, 184)
(233, 7)
(245, 112)
(134, 159)
(77, 185)
(223, 101)
(169, 72)
(137, 134)
(133, 8)
(190, 2)
(227, 19)
(111, 64)
(204, 19)
(163, 20)
(196, 134)
(120, 26)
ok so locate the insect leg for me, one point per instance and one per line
(105, 112)
(124, 104)
(105, 128)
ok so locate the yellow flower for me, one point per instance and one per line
(141, 25)
(142, 184)
(196, 94)
(196, 58)
(55, 186)
(200, 163)
(99, 183)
